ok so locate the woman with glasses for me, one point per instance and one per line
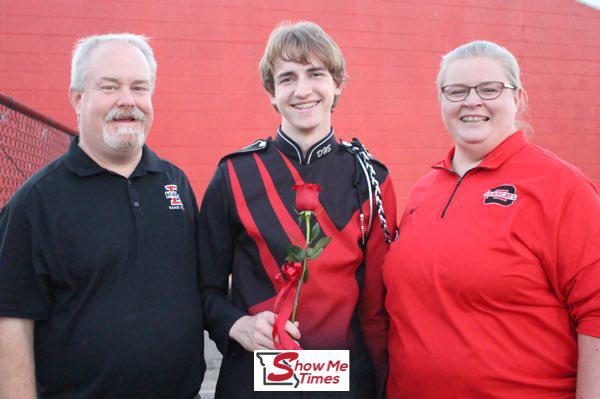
(494, 283)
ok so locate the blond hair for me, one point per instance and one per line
(486, 49)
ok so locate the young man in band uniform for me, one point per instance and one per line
(249, 206)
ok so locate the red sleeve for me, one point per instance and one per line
(574, 251)
(374, 319)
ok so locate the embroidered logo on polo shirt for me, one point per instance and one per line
(503, 195)
(173, 197)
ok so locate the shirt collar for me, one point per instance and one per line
(316, 152)
(496, 157)
(78, 162)
(150, 162)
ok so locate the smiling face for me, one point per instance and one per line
(478, 125)
(115, 107)
(304, 95)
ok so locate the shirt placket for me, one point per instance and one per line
(137, 210)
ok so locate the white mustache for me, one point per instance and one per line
(116, 114)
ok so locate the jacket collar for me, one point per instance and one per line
(317, 151)
(78, 162)
(494, 158)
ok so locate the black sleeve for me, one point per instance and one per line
(23, 274)
(216, 245)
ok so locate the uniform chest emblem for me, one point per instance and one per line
(324, 150)
(173, 196)
(503, 195)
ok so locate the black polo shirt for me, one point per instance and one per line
(107, 266)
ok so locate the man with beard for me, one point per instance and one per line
(97, 298)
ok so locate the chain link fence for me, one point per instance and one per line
(28, 141)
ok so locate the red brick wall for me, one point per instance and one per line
(209, 100)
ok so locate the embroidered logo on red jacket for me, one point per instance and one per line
(503, 195)
(173, 196)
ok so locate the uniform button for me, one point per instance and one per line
(136, 204)
(129, 182)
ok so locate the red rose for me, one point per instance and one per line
(307, 197)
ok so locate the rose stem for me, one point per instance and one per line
(304, 261)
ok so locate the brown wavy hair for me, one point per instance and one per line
(297, 42)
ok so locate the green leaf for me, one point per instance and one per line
(298, 253)
(294, 238)
(322, 243)
(292, 258)
(293, 249)
(315, 253)
(315, 231)
(295, 253)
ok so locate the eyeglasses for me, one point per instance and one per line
(485, 90)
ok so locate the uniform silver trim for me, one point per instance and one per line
(364, 168)
(292, 144)
(323, 141)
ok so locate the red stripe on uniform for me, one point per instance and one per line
(266, 257)
(293, 171)
(291, 228)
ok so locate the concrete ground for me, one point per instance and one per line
(213, 362)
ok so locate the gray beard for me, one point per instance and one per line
(125, 139)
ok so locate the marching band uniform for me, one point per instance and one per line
(248, 220)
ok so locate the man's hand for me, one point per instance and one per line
(17, 375)
(254, 332)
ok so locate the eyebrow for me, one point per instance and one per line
(316, 68)
(284, 75)
(115, 80)
(290, 73)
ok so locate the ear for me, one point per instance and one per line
(75, 98)
(273, 103)
(339, 87)
(520, 100)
